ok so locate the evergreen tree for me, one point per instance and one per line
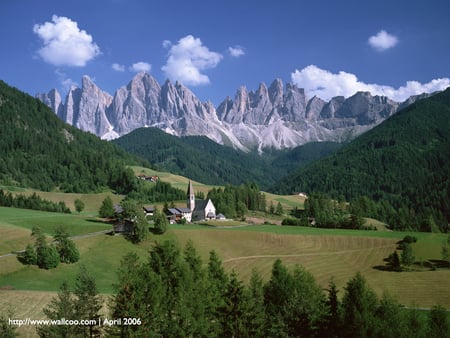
(407, 255)
(47, 256)
(87, 303)
(438, 324)
(106, 209)
(255, 317)
(415, 325)
(333, 320)
(394, 261)
(359, 304)
(161, 222)
(7, 330)
(279, 210)
(61, 307)
(390, 319)
(29, 256)
(67, 250)
(79, 205)
(232, 314)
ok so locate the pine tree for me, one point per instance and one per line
(79, 205)
(333, 319)
(407, 255)
(106, 209)
(61, 307)
(358, 305)
(7, 330)
(161, 223)
(438, 324)
(87, 303)
(29, 256)
(234, 310)
(67, 249)
(255, 317)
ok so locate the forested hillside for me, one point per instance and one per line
(40, 151)
(403, 165)
(201, 159)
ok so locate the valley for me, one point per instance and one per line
(90, 171)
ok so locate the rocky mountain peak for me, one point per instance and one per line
(271, 116)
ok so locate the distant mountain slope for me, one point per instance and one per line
(405, 160)
(40, 151)
(201, 159)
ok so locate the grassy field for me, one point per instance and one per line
(23, 218)
(92, 202)
(324, 252)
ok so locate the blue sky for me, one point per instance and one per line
(396, 48)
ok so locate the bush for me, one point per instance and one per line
(47, 257)
(291, 221)
(409, 239)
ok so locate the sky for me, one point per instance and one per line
(329, 48)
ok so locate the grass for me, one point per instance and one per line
(92, 202)
(24, 218)
(325, 253)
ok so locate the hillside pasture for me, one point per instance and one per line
(92, 202)
(47, 221)
(326, 256)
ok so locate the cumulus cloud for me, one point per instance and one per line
(188, 59)
(325, 84)
(382, 41)
(236, 51)
(64, 43)
(140, 67)
(118, 68)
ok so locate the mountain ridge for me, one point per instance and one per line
(277, 116)
(402, 163)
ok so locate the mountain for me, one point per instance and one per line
(40, 151)
(277, 116)
(404, 161)
(202, 159)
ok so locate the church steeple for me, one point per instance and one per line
(190, 197)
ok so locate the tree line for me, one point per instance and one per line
(235, 201)
(42, 152)
(401, 166)
(33, 202)
(175, 294)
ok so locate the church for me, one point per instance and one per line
(200, 209)
(196, 210)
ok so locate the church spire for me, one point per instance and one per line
(190, 197)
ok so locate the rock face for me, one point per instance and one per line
(278, 116)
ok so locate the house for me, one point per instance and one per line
(149, 211)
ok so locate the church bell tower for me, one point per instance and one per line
(190, 197)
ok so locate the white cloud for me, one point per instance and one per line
(324, 84)
(64, 43)
(187, 59)
(140, 67)
(118, 68)
(66, 82)
(383, 40)
(236, 51)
